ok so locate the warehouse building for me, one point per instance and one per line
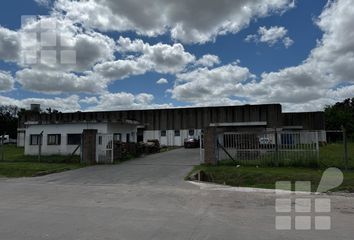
(60, 133)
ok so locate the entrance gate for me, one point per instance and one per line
(104, 148)
(268, 147)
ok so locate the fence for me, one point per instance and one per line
(104, 148)
(269, 148)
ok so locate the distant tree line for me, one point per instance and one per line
(341, 114)
(9, 120)
(9, 117)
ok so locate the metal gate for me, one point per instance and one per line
(104, 149)
(269, 147)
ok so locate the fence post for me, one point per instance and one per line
(210, 146)
(345, 143)
(2, 147)
(317, 147)
(276, 148)
(40, 146)
(88, 145)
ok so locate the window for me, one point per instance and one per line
(74, 139)
(117, 137)
(99, 140)
(177, 133)
(191, 132)
(35, 139)
(53, 139)
(127, 138)
(163, 133)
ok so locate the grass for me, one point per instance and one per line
(331, 155)
(16, 154)
(29, 169)
(267, 177)
(16, 164)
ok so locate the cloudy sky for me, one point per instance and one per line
(133, 54)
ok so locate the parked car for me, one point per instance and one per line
(265, 140)
(191, 142)
(266, 143)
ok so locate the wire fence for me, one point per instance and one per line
(270, 148)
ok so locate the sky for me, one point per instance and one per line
(131, 54)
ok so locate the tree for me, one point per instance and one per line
(341, 114)
(9, 120)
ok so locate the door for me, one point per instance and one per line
(140, 135)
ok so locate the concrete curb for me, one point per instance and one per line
(219, 187)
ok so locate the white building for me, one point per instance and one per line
(64, 139)
(60, 133)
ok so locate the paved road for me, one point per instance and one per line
(146, 199)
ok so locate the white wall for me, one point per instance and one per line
(21, 138)
(63, 129)
(123, 129)
(170, 139)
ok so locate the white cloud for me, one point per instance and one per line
(9, 45)
(6, 81)
(187, 21)
(58, 82)
(308, 86)
(51, 75)
(162, 81)
(330, 64)
(271, 36)
(208, 60)
(120, 69)
(89, 47)
(160, 58)
(126, 101)
(69, 104)
(44, 3)
(89, 100)
(163, 58)
(205, 85)
(288, 42)
(95, 66)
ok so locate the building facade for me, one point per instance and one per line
(59, 133)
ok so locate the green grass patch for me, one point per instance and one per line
(267, 177)
(28, 169)
(12, 153)
(266, 174)
(16, 164)
(332, 155)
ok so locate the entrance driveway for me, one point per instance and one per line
(146, 199)
(166, 169)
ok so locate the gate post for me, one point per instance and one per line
(88, 146)
(210, 146)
